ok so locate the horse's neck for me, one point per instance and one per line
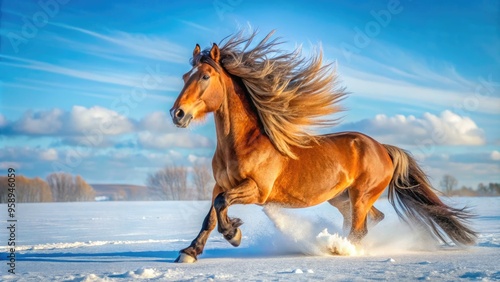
(236, 121)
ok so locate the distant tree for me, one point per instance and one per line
(45, 194)
(494, 189)
(62, 187)
(448, 183)
(169, 183)
(83, 191)
(27, 190)
(482, 189)
(203, 181)
(66, 188)
(464, 191)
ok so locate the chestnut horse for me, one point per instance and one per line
(264, 102)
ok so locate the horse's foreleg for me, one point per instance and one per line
(245, 193)
(191, 253)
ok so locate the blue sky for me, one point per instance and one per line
(86, 85)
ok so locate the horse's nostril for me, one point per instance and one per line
(179, 113)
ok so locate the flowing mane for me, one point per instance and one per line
(291, 93)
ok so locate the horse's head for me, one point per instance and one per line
(203, 88)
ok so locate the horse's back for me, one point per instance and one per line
(369, 157)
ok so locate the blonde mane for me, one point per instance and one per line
(291, 93)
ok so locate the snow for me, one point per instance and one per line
(130, 241)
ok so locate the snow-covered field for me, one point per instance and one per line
(124, 241)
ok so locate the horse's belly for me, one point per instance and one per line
(305, 200)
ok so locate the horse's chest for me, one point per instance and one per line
(231, 170)
(228, 174)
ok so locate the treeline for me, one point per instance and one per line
(482, 190)
(58, 187)
(171, 183)
(449, 185)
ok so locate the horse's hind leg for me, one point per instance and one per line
(362, 206)
(375, 216)
(343, 203)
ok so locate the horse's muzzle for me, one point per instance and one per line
(180, 118)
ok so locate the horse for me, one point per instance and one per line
(267, 104)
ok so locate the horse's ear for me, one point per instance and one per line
(196, 50)
(215, 53)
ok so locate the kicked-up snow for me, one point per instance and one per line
(135, 241)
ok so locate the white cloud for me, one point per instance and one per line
(80, 121)
(157, 122)
(170, 140)
(29, 155)
(446, 129)
(495, 155)
(40, 123)
(48, 155)
(194, 159)
(99, 120)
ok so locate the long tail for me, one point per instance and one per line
(414, 199)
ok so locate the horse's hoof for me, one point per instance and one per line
(236, 240)
(185, 258)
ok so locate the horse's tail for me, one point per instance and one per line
(414, 199)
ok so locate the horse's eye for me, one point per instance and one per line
(205, 77)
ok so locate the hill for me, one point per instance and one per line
(120, 192)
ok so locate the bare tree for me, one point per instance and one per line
(61, 184)
(203, 181)
(65, 188)
(169, 183)
(448, 183)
